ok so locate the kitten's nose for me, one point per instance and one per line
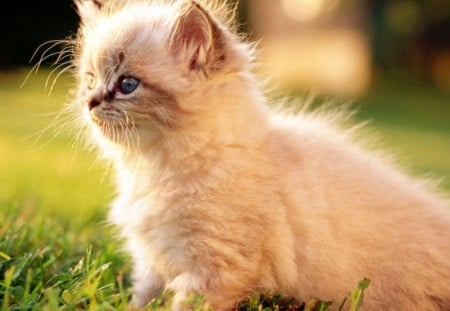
(93, 103)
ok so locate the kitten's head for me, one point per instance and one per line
(143, 66)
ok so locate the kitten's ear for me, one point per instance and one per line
(88, 10)
(196, 38)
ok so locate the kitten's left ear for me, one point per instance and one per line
(88, 10)
(197, 39)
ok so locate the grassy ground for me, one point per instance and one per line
(56, 251)
(54, 247)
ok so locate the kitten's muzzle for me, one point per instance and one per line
(97, 100)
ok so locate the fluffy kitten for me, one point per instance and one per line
(220, 195)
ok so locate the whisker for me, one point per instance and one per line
(116, 134)
(57, 120)
(78, 138)
(59, 74)
(57, 126)
(47, 81)
(77, 141)
(66, 51)
(36, 67)
(122, 133)
(44, 54)
(131, 130)
(124, 124)
(54, 44)
(109, 74)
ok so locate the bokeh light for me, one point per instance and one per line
(307, 10)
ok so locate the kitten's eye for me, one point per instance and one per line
(128, 85)
(90, 81)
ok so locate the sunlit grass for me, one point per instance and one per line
(55, 249)
(45, 169)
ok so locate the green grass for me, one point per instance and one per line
(56, 251)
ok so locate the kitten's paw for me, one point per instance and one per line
(144, 293)
(183, 286)
(147, 284)
(138, 301)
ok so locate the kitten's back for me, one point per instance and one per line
(361, 218)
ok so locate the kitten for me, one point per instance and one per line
(220, 195)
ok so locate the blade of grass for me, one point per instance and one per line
(357, 296)
(8, 279)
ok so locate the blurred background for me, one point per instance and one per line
(343, 47)
(390, 58)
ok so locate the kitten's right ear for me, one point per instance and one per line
(197, 39)
(88, 10)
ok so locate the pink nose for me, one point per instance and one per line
(93, 103)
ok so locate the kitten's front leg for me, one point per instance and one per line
(187, 284)
(183, 285)
(147, 284)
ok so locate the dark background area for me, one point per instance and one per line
(26, 24)
(412, 35)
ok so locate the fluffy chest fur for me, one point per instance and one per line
(194, 211)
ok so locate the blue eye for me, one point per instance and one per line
(128, 85)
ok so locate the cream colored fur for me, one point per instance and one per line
(218, 194)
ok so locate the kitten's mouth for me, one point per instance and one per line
(99, 122)
(108, 124)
